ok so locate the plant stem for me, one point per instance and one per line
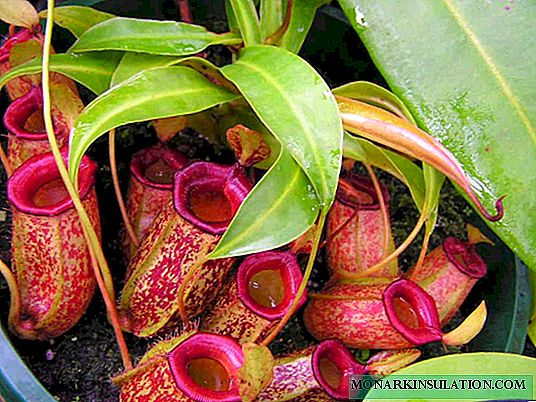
(5, 162)
(14, 311)
(340, 228)
(305, 280)
(182, 288)
(424, 248)
(185, 11)
(392, 256)
(115, 179)
(383, 209)
(277, 35)
(89, 231)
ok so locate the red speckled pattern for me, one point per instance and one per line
(20, 86)
(293, 378)
(23, 144)
(359, 245)
(359, 323)
(231, 317)
(150, 382)
(52, 266)
(143, 205)
(145, 198)
(444, 281)
(167, 253)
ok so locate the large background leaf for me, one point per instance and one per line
(149, 36)
(152, 94)
(466, 71)
(470, 364)
(282, 206)
(295, 103)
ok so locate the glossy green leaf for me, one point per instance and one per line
(433, 182)
(271, 16)
(152, 94)
(532, 322)
(77, 19)
(134, 63)
(92, 70)
(150, 36)
(231, 17)
(303, 14)
(471, 364)
(402, 168)
(296, 105)
(281, 207)
(465, 89)
(247, 21)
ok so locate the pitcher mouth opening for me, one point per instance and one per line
(412, 312)
(333, 364)
(155, 166)
(358, 192)
(268, 283)
(208, 195)
(464, 257)
(21, 36)
(205, 367)
(36, 186)
(24, 116)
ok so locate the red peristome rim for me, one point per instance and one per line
(364, 185)
(283, 261)
(223, 349)
(469, 262)
(22, 36)
(20, 110)
(40, 170)
(424, 307)
(335, 351)
(231, 180)
(146, 157)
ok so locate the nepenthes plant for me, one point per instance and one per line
(296, 141)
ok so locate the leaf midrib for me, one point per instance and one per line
(128, 105)
(303, 125)
(496, 73)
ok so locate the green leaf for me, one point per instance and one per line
(231, 17)
(280, 208)
(247, 20)
(134, 63)
(93, 70)
(272, 15)
(433, 181)
(465, 90)
(152, 94)
(149, 36)
(77, 19)
(467, 363)
(303, 14)
(296, 105)
(402, 168)
(532, 322)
